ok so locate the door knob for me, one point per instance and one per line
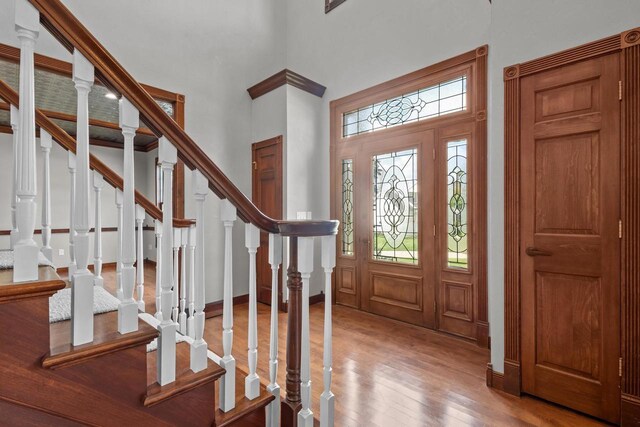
(531, 251)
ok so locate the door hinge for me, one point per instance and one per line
(255, 165)
(620, 229)
(620, 367)
(620, 90)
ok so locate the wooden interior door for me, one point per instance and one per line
(570, 247)
(267, 196)
(395, 229)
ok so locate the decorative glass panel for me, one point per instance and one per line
(434, 101)
(347, 207)
(457, 202)
(395, 207)
(166, 106)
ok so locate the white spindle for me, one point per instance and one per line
(119, 202)
(167, 156)
(128, 308)
(228, 381)
(305, 265)
(158, 233)
(177, 238)
(327, 398)
(71, 159)
(182, 315)
(46, 143)
(199, 347)
(98, 185)
(140, 215)
(275, 259)
(191, 279)
(25, 267)
(14, 175)
(252, 381)
(82, 288)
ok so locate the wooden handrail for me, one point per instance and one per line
(68, 30)
(67, 142)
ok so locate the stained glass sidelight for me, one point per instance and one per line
(457, 203)
(433, 101)
(395, 207)
(347, 207)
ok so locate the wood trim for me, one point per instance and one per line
(105, 265)
(62, 231)
(48, 283)
(630, 410)
(494, 379)
(329, 5)
(316, 299)
(213, 309)
(286, 77)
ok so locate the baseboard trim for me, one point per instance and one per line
(494, 379)
(214, 309)
(512, 377)
(482, 334)
(65, 270)
(629, 410)
(316, 299)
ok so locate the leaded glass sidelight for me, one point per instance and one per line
(347, 207)
(433, 101)
(457, 204)
(395, 207)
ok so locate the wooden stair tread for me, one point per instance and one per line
(106, 340)
(48, 283)
(244, 406)
(186, 379)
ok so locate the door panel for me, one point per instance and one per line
(570, 250)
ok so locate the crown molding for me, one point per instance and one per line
(286, 77)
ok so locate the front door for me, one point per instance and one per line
(570, 247)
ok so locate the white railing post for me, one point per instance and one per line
(167, 156)
(14, 118)
(191, 279)
(199, 347)
(25, 264)
(140, 214)
(82, 289)
(158, 233)
(228, 381)
(98, 185)
(275, 259)
(252, 381)
(327, 398)
(128, 308)
(46, 143)
(119, 202)
(305, 265)
(71, 163)
(182, 315)
(177, 238)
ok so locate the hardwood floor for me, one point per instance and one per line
(388, 373)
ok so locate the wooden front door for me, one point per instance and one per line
(570, 247)
(267, 196)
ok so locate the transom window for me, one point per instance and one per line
(433, 101)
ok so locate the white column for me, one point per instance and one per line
(158, 233)
(275, 259)
(140, 215)
(191, 283)
(14, 114)
(199, 347)
(252, 381)
(25, 266)
(98, 185)
(128, 308)
(175, 299)
(167, 156)
(45, 144)
(82, 289)
(305, 265)
(228, 381)
(327, 398)
(71, 164)
(119, 202)
(182, 315)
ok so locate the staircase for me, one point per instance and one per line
(100, 369)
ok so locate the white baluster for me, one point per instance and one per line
(98, 185)
(158, 233)
(128, 308)
(252, 381)
(167, 156)
(182, 315)
(14, 175)
(82, 289)
(45, 143)
(275, 259)
(119, 202)
(25, 267)
(228, 381)
(191, 283)
(305, 265)
(199, 346)
(140, 215)
(177, 238)
(71, 159)
(327, 398)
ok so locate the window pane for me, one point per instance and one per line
(395, 207)
(347, 207)
(457, 202)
